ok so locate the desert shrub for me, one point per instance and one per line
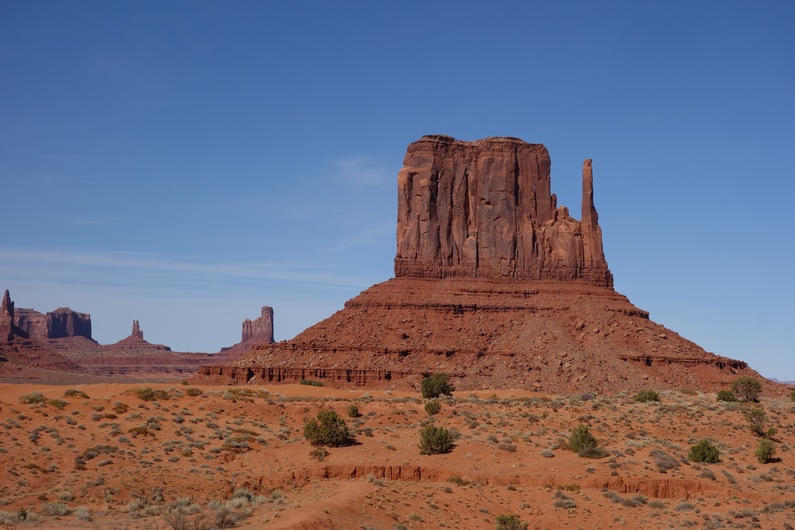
(435, 440)
(664, 461)
(647, 395)
(32, 398)
(328, 429)
(57, 403)
(319, 454)
(83, 513)
(71, 392)
(194, 392)
(141, 430)
(757, 421)
(704, 452)
(584, 444)
(310, 382)
(792, 396)
(120, 408)
(182, 514)
(747, 389)
(55, 508)
(147, 394)
(10, 518)
(688, 392)
(436, 385)
(228, 514)
(510, 522)
(95, 450)
(433, 407)
(353, 410)
(726, 395)
(765, 451)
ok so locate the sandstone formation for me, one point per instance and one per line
(495, 284)
(22, 354)
(259, 330)
(61, 323)
(6, 317)
(484, 209)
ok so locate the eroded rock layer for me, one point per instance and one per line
(550, 336)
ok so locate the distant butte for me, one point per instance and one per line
(495, 284)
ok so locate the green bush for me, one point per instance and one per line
(704, 452)
(510, 522)
(435, 440)
(765, 451)
(32, 398)
(353, 410)
(757, 422)
(310, 382)
(726, 395)
(647, 395)
(792, 395)
(75, 393)
(194, 392)
(582, 441)
(433, 407)
(747, 389)
(436, 385)
(147, 394)
(328, 429)
(57, 403)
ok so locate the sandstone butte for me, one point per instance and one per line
(496, 285)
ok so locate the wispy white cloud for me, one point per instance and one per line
(360, 171)
(130, 268)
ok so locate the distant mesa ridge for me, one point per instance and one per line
(494, 284)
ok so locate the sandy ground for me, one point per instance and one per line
(110, 459)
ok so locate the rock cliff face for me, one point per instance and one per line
(496, 285)
(58, 324)
(259, 330)
(485, 209)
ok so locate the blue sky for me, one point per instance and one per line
(184, 163)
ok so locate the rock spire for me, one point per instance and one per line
(259, 330)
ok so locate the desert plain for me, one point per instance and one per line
(161, 456)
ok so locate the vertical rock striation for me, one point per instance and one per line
(259, 330)
(485, 209)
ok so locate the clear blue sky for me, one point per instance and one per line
(184, 163)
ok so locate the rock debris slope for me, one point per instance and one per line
(495, 284)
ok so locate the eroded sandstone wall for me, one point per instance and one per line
(485, 209)
(259, 330)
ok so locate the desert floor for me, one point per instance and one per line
(201, 456)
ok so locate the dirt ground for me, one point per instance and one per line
(187, 456)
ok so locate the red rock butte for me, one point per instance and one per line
(494, 284)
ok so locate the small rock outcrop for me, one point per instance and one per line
(259, 330)
(485, 209)
(136, 331)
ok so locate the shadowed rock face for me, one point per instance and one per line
(259, 330)
(484, 209)
(58, 324)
